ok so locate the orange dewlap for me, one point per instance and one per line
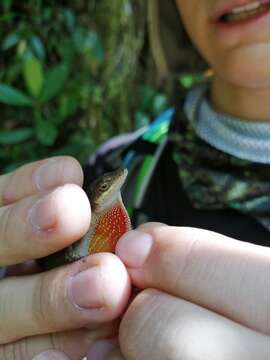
(109, 228)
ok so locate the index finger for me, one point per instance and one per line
(39, 176)
(224, 275)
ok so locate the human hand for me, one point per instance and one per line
(43, 209)
(206, 297)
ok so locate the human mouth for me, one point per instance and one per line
(243, 13)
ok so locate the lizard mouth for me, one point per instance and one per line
(121, 174)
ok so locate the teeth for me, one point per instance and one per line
(248, 7)
(244, 14)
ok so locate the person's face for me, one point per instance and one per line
(237, 50)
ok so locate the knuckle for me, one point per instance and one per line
(7, 217)
(44, 303)
(151, 329)
(188, 256)
(15, 351)
(26, 348)
(138, 322)
(6, 303)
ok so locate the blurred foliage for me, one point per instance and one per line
(69, 77)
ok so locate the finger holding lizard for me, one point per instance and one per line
(204, 295)
(35, 222)
(45, 209)
(227, 276)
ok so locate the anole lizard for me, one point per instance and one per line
(109, 221)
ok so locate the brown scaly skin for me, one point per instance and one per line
(109, 221)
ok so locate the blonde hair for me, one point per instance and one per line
(172, 50)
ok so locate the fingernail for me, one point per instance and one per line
(101, 349)
(85, 289)
(41, 215)
(134, 247)
(44, 177)
(51, 355)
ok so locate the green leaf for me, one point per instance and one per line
(69, 18)
(89, 43)
(67, 52)
(55, 79)
(67, 106)
(13, 72)
(46, 132)
(8, 137)
(33, 75)
(147, 97)
(38, 47)
(22, 48)
(11, 96)
(160, 104)
(6, 4)
(11, 40)
(94, 45)
(70, 149)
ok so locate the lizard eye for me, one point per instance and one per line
(104, 187)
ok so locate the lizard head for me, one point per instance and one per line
(104, 191)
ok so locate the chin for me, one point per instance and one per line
(245, 78)
(253, 72)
